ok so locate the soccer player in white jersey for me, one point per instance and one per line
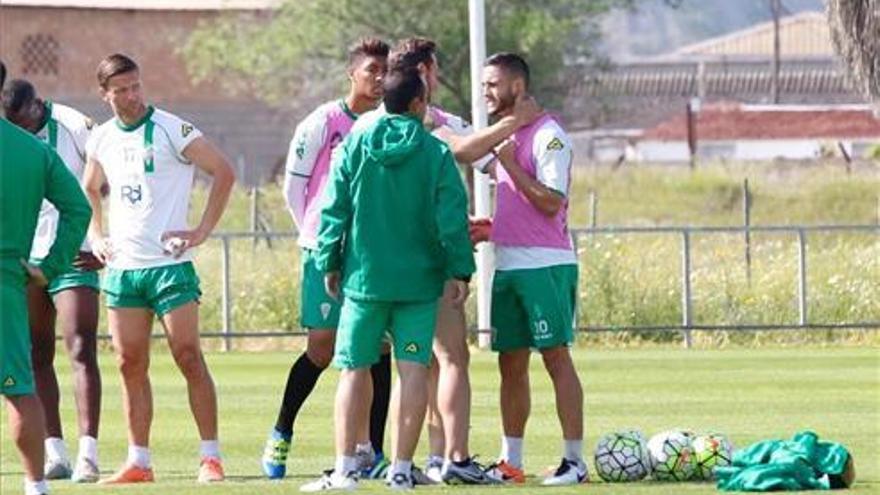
(307, 170)
(71, 298)
(449, 403)
(149, 158)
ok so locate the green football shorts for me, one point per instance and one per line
(161, 288)
(71, 279)
(317, 309)
(16, 373)
(362, 328)
(533, 308)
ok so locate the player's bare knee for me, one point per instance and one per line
(320, 356)
(83, 353)
(132, 365)
(189, 360)
(319, 347)
(557, 361)
(514, 371)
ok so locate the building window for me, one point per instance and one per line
(39, 55)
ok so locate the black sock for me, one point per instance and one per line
(300, 382)
(381, 373)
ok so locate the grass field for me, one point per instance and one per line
(750, 394)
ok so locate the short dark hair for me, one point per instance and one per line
(2, 74)
(367, 47)
(401, 88)
(114, 65)
(18, 95)
(411, 52)
(512, 63)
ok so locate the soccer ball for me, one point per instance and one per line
(711, 450)
(622, 456)
(672, 455)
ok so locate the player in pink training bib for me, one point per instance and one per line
(535, 283)
(308, 165)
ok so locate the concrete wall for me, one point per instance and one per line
(790, 149)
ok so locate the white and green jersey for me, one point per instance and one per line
(150, 183)
(66, 130)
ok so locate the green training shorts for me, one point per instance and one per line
(533, 308)
(317, 309)
(161, 289)
(16, 372)
(71, 279)
(362, 328)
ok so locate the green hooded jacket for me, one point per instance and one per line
(29, 172)
(394, 216)
(803, 463)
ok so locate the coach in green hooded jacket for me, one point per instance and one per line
(393, 232)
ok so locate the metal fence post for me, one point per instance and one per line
(686, 318)
(577, 299)
(255, 213)
(593, 212)
(802, 277)
(747, 222)
(226, 302)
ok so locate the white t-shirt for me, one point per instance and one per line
(67, 130)
(553, 154)
(150, 184)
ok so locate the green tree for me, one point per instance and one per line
(292, 51)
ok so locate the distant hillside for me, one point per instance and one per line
(655, 28)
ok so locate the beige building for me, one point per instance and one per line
(736, 67)
(57, 44)
(804, 35)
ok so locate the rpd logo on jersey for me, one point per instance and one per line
(131, 194)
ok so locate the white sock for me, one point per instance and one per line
(88, 449)
(36, 487)
(573, 450)
(139, 456)
(436, 459)
(55, 449)
(345, 464)
(209, 448)
(401, 466)
(511, 451)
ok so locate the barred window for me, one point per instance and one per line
(39, 55)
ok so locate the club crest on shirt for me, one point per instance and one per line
(89, 123)
(186, 129)
(9, 382)
(325, 310)
(301, 148)
(555, 145)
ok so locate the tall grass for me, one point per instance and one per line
(635, 280)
